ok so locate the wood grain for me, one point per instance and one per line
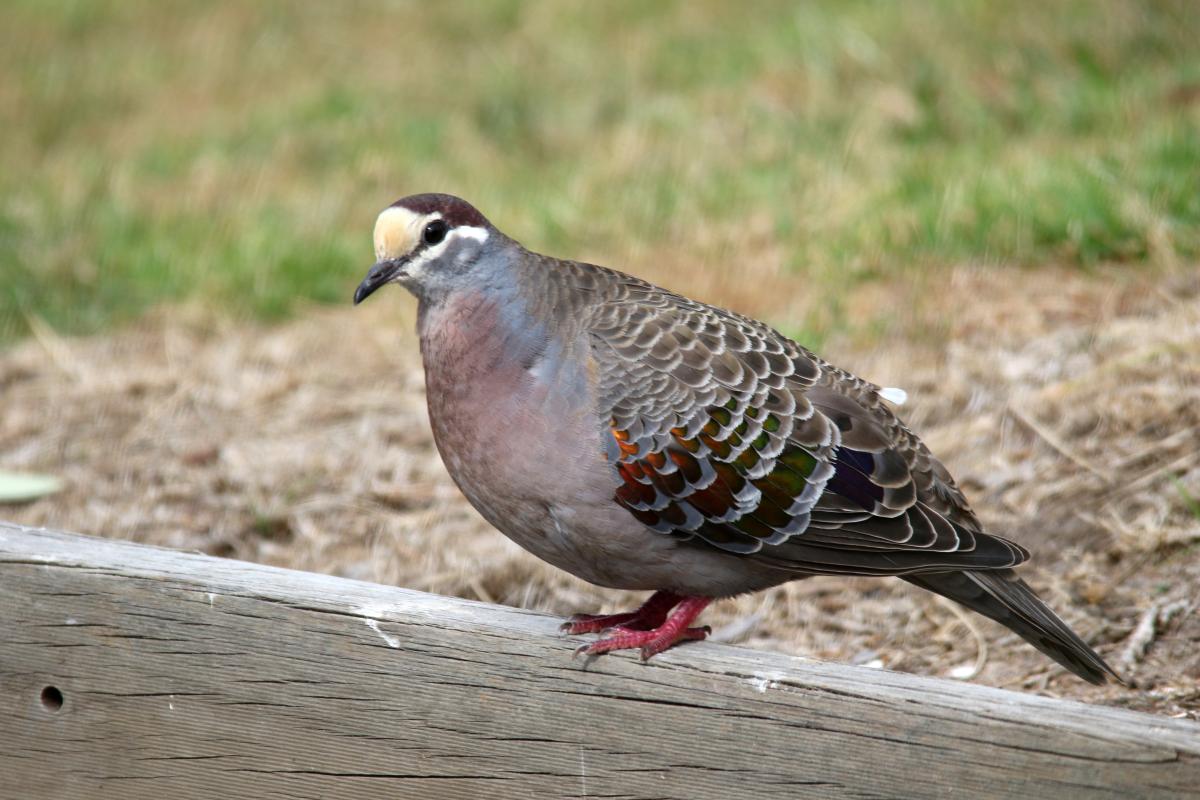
(185, 676)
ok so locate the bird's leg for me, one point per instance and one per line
(653, 641)
(649, 615)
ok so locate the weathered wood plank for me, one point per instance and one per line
(186, 676)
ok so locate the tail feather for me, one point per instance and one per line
(1001, 595)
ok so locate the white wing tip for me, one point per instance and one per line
(893, 395)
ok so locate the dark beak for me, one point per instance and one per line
(377, 276)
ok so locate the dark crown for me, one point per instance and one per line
(454, 210)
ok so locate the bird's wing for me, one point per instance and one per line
(725, 431)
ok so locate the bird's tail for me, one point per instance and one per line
(1001, 595)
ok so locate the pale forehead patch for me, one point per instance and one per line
(397, 231)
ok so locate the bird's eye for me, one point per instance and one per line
(435, 231)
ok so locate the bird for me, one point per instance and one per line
(641, 440)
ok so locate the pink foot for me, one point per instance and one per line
(649, 615)
(658, 637)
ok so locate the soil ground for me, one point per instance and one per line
(1068, 405)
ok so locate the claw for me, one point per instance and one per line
(659, 644)
(652, 640)
(650, 614)
(595, 623)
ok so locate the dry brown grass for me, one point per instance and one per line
(1069, 407)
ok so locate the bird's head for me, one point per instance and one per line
(426, 242)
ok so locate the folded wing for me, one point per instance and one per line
(724, 431)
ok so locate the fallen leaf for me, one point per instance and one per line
(25, 487)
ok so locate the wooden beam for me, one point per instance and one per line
(129, 671)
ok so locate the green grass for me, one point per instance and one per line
(1192, 504)
(238, 152)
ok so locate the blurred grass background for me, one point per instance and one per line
(235, 154)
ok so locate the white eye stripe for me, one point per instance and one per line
(470, 232)
(430, 253)
(463, 232)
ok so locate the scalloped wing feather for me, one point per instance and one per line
(725, 431)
